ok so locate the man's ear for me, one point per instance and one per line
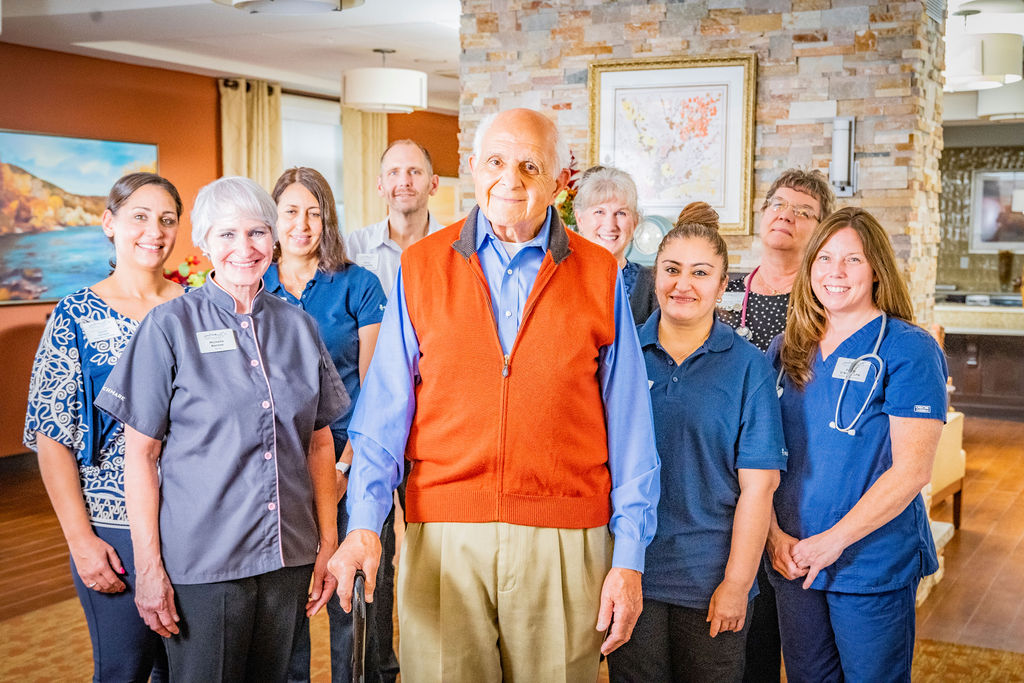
(562, 181)
(435, 182)
(380, 187)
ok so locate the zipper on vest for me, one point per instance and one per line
(504, 369)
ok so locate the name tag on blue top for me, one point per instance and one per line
(212, 341)
(850, 368)
(100, 330)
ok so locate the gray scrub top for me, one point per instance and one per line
(236, 398)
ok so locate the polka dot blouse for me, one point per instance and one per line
(766, 314)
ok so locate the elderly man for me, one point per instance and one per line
(406, 182)
(509, 372)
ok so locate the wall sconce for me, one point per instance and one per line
(842, 171)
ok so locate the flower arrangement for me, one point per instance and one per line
(187, 273)
(564, 200)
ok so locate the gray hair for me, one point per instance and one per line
(228, 199)
(599, 184)
(562, 154)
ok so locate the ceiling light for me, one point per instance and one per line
(982, 61)
(382, 89)
(995, 6)
(1002, 104)
(290, 6)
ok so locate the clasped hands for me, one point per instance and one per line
(794, 558)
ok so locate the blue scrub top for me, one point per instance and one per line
(341, 303)
(829, 471)
(715, 413)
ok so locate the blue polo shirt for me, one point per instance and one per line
(341, 303)
(715, 413)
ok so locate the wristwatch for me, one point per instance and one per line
(343, 467)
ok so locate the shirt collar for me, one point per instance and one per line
(379, 233)
(552, 236)
(272, 279)
(222, 299)
(721, 338)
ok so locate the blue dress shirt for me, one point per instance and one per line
(380, 425)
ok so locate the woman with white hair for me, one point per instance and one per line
(231, 393)
(607, 214)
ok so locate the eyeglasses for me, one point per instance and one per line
(778, 205)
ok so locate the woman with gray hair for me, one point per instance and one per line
(230, 393)
(607, 214)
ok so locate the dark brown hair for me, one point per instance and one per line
(708, 233)
(331, 250)
(698, 212)
(126, 186)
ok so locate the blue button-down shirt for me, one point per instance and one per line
(380, 425)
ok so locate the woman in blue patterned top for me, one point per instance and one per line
(81, 449)
(607, 214)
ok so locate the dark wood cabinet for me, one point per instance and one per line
(988, 373)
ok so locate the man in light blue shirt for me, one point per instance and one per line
(530, 588)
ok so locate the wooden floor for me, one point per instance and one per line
(980, 601)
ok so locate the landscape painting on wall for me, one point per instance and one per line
(53, 192)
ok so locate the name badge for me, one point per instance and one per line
(849, 368)
(100, 330)
(368, 261)
(731, 301)
(212, 341)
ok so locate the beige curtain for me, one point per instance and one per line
(250, 127)
(363, 138)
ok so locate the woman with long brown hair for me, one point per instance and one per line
(863, 401)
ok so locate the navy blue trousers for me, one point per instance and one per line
(851, 637)
(381, 664)
(123, 647)
(673, 643)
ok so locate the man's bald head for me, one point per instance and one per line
(561, 146)
(517, 171)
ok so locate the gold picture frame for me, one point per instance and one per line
(683, 127)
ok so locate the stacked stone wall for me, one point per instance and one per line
(817, 59)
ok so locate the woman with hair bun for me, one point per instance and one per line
(720, 462)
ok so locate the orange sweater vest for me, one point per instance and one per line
(519, 439)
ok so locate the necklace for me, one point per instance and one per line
(689, 353)
(771, 290)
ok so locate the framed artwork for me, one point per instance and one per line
(53, 191)
(683, 127)
(997, 212)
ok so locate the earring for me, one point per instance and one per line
(718, 300)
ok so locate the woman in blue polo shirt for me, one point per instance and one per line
(311, 271)
(719, 435)
(863, 403)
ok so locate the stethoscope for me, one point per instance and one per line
(743, 330)
(867, 358)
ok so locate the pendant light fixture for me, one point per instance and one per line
(383, 89)
(291, 6)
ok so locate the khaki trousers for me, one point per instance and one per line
(500, 602)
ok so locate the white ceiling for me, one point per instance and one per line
(305, 53)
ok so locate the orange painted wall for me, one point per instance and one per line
(439, 133)
(63, 94)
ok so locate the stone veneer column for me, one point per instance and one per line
(816, 60)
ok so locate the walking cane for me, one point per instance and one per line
(359, 628)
